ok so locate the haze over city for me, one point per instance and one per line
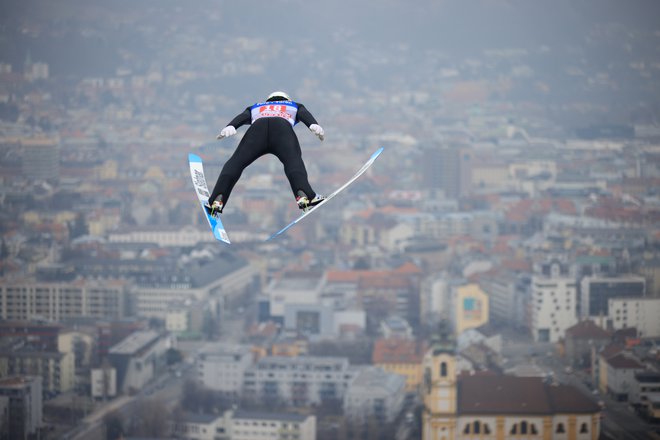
(495, 274)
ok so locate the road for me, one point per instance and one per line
(166, 388)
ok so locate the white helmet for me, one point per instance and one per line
(278, 96)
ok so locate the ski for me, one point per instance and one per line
(202, 191)
(332, 195)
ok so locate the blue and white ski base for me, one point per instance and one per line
(202, 191)
(330, 196)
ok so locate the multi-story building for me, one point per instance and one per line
(250, 425)
(596, 292)
(164, 236)
(471, 307)
(375, 393)
(104, 382)
(581, 339)
(244, 425)
(434, 299)
(448, 169)
(221, 367)
(41, 158)
(301, 288)
(55, 367)
(25, 406)
(645, 388)
(4, 417)
(400, 356)
(619, 371)
(217, 282)
(641, 313)
(554, 300)
(300, 381)
(138, 358)
(28, 299)
(466, 406)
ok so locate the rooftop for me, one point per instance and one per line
(587, 329)
(486, 394)
(258, 415)
(135, 342)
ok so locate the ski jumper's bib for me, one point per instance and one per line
(275, 109)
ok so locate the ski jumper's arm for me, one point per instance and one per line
(241, 119)
(305, 116)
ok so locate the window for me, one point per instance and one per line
(476, 427)
(560, 428)
(443, 369)
(584, 428)
(522, 428)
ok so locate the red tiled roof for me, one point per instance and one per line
(623, 362)
(399, 351)
(586, 329)
(484, 394)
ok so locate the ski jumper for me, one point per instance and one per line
(271, 131)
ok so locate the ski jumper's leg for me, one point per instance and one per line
(284, 144)
(250, 148)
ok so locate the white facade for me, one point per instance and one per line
(375, 393)
(293, 290)
(621, 371)
(221, 367)
(349, 318)
(244, 425)
(641, 313)
(163, 236)
(156, 302)
(645, 388)
(434, 299)
(248, 425)
(177, 320)
(596, 291)
(554, 304)
(137, 359)
(300, 381)
(104, 383)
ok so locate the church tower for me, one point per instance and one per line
(439, 387)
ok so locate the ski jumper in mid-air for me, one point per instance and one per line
(271, 131)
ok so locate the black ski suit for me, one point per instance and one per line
(274, 135)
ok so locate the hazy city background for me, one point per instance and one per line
(496, 273)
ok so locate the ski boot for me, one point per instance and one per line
(215, 209)
(305, 204)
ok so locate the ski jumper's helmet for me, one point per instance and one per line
(278, 96)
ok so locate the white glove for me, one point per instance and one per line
(317, 130)
(226, 132)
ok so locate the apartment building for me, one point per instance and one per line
(554, 300)
(641, 313)
(244, 425)
(221, 367)
(24, 403)
(55, 366)
(299, 381)
(375, 393)
(28, 299)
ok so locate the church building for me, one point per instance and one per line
(488, 406)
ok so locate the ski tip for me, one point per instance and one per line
(194, 158)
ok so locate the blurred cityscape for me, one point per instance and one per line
(495, 274)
